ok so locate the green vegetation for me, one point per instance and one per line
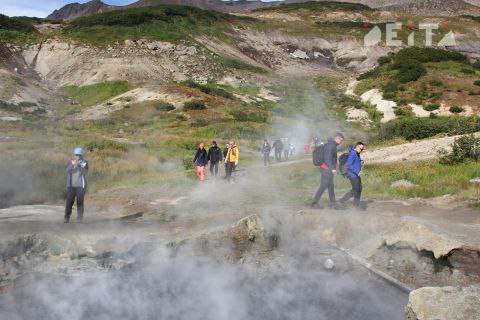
(249, 116)
(239, 65)
(321, 6)
(16, 29)
(166, 22)
(476, 82)
(194, 105)
(463, 149)
(96, 93)
(431, 107)
(456, 109)
(209, 88)
(164, 106)
(420, 128)
(418, 75)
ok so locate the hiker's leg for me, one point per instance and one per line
(229, 170)
(80, 203)
(212, 168)
(198, 172)
(216, 169)
(323, 186)
(202, 173)
(357, 188)
(350, 193)
(69, 203)
(331, 190)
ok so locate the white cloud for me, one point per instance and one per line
(12, 10)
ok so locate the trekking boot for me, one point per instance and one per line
(315, 205)
(362, 206)
(66, 219)
(338, 206)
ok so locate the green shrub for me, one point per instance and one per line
(244, 116)
(164, 106)
(467, 71)
(370, 74)
(390, 90)
(476, 82)
(476, 65)
(404, 112)
(384, 60)
(431, 107)
(456, 109)
(436, 83)
(194, 105)
(409, 70)
(16, 24)
(420, 128)
(463, 149)
(209, 88)
(105, 144)
(428, 54)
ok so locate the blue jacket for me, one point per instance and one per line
(354, 163)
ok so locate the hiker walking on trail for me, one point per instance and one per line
(201, 160)
(231, 160)
(325, 156)
(266, 148)
(77, 170)
(215, 156)
(225, 151)
(352, 169)
(278, 146)
(286, 151)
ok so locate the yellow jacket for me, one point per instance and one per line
(232, 156)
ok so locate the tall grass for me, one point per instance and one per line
(96, 93)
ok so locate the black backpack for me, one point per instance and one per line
(342, 164)
(318, 156)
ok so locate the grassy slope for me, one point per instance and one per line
(166, 23)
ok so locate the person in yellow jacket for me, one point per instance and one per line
(231, 160)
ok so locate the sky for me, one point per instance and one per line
(42, 8)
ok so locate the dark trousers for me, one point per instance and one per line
(230, 170)
(326, 182)
(214, 168)
(79, 194)
(266, 159)
(278, 155)
(356, 191)
(285, 154)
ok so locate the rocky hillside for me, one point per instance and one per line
(417, 7)
(75, 10)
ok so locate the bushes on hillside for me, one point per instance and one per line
(209, 88)
(164, 106)
(463, 149)
(409, 70)
(431, 107)
(421, 128)
(194, 105)
(15, 24)
(456, 109)
(244, 116)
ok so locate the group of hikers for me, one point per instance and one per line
(324, 156)
(279, 147)
(349, 165)
(214, 156)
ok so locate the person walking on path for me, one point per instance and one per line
(201, 160)
(77, 171)
(266, 149)
(278, 146)
(353, 168)
(215, 156)
(231, 160)
(328, 169)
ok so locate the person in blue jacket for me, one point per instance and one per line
(354, 167)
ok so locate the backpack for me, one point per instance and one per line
(318, 156)
(342, 164)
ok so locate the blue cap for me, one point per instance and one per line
(78, 151)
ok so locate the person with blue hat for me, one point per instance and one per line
(77, 170)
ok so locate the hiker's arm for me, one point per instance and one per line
(330, 157)
(196, 156)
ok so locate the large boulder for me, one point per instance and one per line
(446, 303)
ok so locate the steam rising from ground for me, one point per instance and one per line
(186, 288)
